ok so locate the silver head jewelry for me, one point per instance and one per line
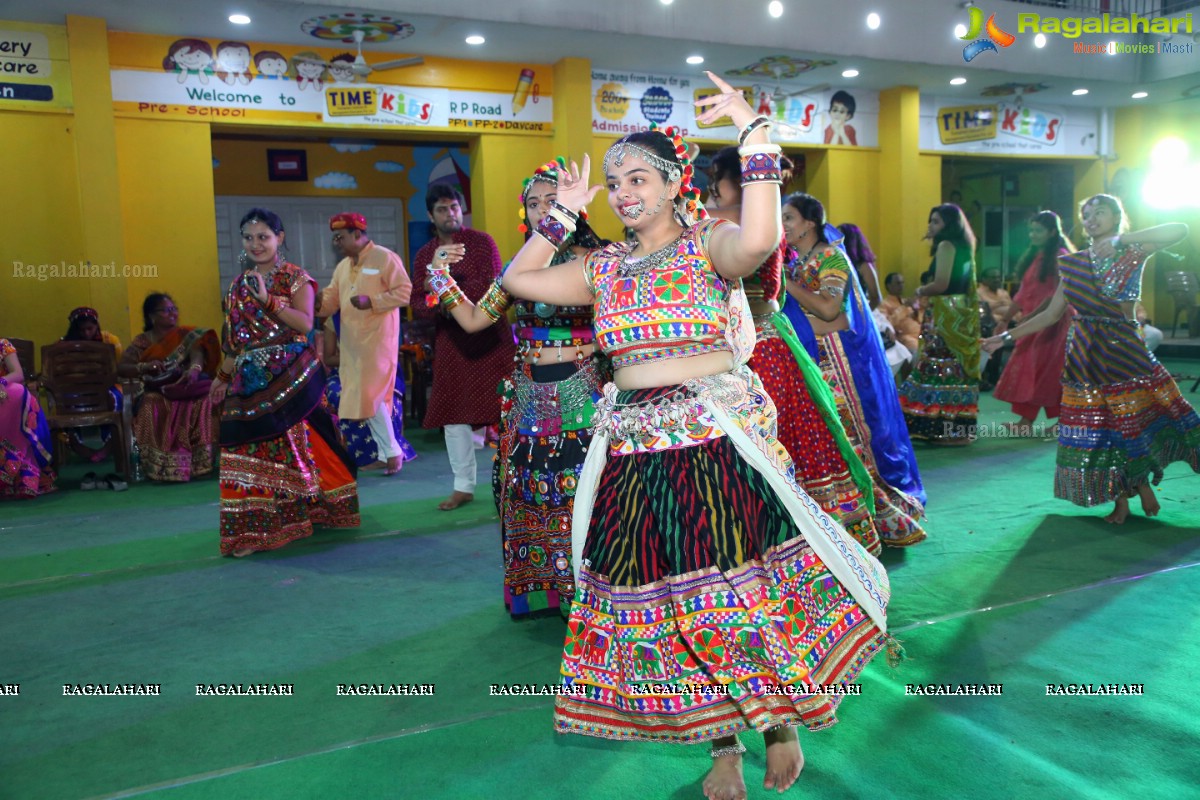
(616, 156)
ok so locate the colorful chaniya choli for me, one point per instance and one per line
(713, 594)
(546, 414)
(1123, 418)
(284, 466)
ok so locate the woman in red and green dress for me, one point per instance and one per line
(284, 467)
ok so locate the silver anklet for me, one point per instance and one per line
(731, 750)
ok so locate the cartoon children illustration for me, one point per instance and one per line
(309, 68)
(841, 111)
(271, 65)
(341, 68)
(233, 62)
(189, 57)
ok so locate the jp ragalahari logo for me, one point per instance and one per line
(995, 35)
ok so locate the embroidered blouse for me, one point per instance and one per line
(825, 270)
(1120, 277)
(247, 323)
(677, 309)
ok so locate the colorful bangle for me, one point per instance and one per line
(761, 168)
(554, 229)
(446, 290)
(223, 376)
(751, 127)
(495, 301)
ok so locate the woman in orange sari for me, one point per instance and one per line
(173, 426)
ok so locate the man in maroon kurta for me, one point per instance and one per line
(467, 367)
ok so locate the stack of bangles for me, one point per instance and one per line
(445, 288)
(492, 304)
(754, 124)
(274, 304)
(1006, 336)
(223, 376)
(558, 225)
(761, 164)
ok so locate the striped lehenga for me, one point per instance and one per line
(1123, 418)
(713, 595)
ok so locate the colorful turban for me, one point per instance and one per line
(348, 221)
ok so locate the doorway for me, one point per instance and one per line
(307, 222)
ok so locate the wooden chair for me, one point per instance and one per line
(77, 377)
(1183, 287)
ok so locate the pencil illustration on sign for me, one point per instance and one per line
(995, 35)
(521, 94)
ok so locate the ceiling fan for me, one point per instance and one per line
(363, 69)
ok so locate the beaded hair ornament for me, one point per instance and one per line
(687, 205)
(546, 173)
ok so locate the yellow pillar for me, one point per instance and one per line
(573, 109)
(96, 156)
(499, 164)
(909, 184)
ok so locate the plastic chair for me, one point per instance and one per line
(77, 377)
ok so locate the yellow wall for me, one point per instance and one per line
(168, 216)
(499, 165)
(844, 180)
(40, 226)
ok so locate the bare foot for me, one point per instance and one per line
(242, 552)
(393, 465)
(784, 759)
(1119, 513)
(1149, 502)
(455, 500)
(724, 781)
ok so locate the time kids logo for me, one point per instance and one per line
(995, 35)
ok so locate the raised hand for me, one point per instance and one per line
(729, 103)
(574, 193)
(448, 254)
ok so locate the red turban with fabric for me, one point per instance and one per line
(348, 221)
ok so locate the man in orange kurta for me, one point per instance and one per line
(369, 287)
